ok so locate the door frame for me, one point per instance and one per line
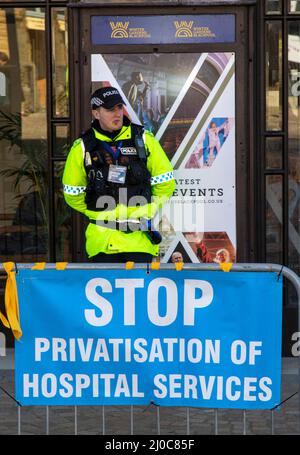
(243, 47)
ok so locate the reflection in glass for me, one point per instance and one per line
(61, 139)
(166, 92)
(274, 246)
(60, 70)
(294, 6)
(23, 145)
(63, 233)
(274, 75)
(273, 6)
(188, 109)
(294, 145)
(274, 150)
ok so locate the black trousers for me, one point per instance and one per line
(121, 257)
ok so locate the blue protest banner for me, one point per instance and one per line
(189, 338)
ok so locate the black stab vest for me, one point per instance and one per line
(97, 160)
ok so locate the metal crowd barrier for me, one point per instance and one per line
(242, 267)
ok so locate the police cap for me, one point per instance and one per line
(106, 97)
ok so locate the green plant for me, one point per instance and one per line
(10, 127)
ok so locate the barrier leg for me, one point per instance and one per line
(19, 420)
(245, 423)
(75, 421)
(187, 421)
(216, 421)
(103, 420)
(47, 420)
(158, 419)
(131, 419)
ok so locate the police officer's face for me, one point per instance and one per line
(110, 119)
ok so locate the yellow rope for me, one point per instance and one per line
(11, 302)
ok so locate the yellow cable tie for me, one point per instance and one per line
(61, 265)
(179, 266)
(155, 265)
(226, 266)
(129, 265)
(39, 266)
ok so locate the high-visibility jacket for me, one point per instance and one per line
(100, 239)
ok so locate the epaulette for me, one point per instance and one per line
(149, 132)
(137, 133)
(137, 129)
(89, 140)
(76, 142)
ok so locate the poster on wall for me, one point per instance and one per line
(187, 100)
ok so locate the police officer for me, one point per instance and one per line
(117, 175)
